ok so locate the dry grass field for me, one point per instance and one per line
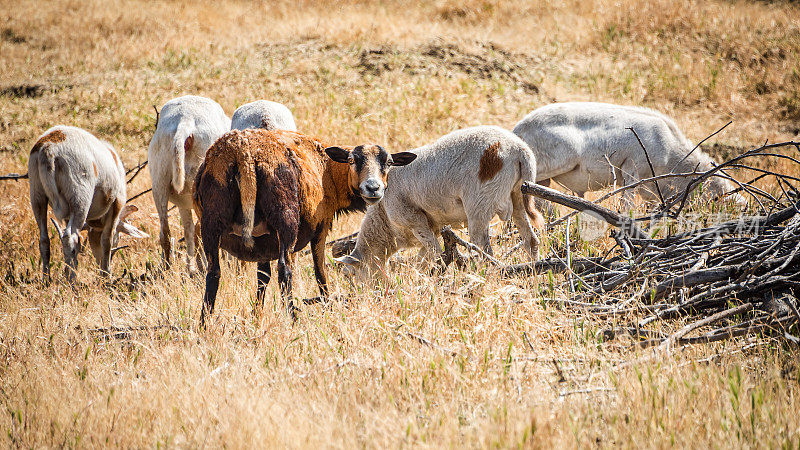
(462, 359)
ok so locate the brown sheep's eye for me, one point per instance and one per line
(351, 160)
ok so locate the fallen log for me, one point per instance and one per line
(627, 225)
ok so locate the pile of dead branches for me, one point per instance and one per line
(730, 279)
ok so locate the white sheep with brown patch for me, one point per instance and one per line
(263, 114)
(468, 176)
(187, 127)
(575, 142)
(83, 181)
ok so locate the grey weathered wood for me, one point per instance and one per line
(627, 225)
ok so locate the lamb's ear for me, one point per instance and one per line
(59, 230)
(127, 210)
(347, 259)
(338, 154)
(402, 158)
(130, 230)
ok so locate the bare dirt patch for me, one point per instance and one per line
(30, 90)
(438, 57)
(9, 35)
(478, 59)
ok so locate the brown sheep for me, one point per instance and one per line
(263, 195)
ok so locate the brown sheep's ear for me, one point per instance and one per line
(338, 154)
(402, 158)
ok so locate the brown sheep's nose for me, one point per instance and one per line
(371, 190)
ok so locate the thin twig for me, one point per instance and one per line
(139, 195)
(14, 176)
(138, 169)
(649, 163)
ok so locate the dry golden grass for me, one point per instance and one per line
(356, 374)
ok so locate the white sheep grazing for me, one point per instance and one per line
(572, 141)
(263, 114)
(467, 176)
(187, 126)
(83, 180)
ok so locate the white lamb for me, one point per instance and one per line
(467, 176)
(83, 180)
(187, 126)
(574, 143)
(263, 114)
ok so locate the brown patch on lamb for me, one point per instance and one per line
(54, 137)
(490, 164)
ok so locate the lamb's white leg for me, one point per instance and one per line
(39, 205)
(629, 176)
(111, 221)
(71, 239)
(201, 256)
(529, 238)
(189, 237)
(478, 219)
(94, 244)
(161, 200)
(548, 209)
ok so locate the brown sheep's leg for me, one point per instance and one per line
(211, 248)
(285, 281)
(318, 255)
(287, 237)
(263, 274)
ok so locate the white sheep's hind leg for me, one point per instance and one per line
(546, 207)
(529, 237)
(478, 218)
(431, 251)
(94, 243)
(39, 205)
(161, 200)
(71, 239)
(111, 221)
(201, 256)
(417, 222)
(629, 176)
(188, 234)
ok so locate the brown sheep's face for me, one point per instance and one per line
(369, 165)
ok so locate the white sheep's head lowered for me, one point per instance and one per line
(123, 227)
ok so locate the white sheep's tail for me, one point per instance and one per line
(527, 173)
(181, 146)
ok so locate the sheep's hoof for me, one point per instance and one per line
(461, 261)
(194, 274)
(293, 311)
(315, 300)
(344, 300)
(439, 267)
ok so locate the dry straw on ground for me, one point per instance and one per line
(468, 357)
